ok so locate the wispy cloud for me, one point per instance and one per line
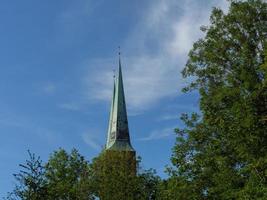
(159, 134)
(28, 126)
(70, 106)
(49, 88)
(174, 111)
(156, 52)
(167, 117)
(91, 140)
(13, 122)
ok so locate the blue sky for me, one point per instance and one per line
(56, 67)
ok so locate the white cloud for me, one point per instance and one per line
(91, 140)
(167, 117)
(71, 19)
(158, 134)
(156, 52)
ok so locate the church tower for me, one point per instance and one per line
(117, 166)
(118, 137)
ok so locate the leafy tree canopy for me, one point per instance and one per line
(221, 154)
(68, 176)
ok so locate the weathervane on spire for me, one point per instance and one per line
(119, 50)
(119, 53)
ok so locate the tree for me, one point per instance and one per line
(114, 175)
(31, 180)
(148, 185)
(68, 176)
(111, 175)
(221, 154)
(64, 176)
(117, 175)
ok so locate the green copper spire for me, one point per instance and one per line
(118, 132)
(111, 113)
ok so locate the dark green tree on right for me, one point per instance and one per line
(222, 152)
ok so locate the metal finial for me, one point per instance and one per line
(119, 50)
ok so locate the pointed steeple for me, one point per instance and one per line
(118, 131)
(111, 113)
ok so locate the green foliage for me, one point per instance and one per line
(31, 182)
(111, 175)
(148, 185)
(222, 154)
(63, 177)
(114, 175)
(67, 176)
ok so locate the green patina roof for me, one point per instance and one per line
(118, 137)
